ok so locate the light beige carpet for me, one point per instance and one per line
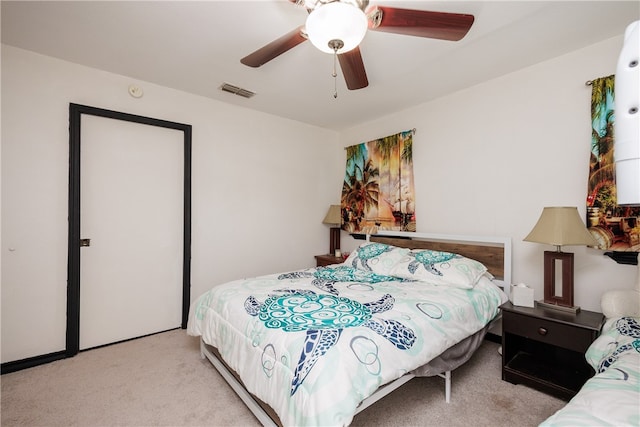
(161, 380)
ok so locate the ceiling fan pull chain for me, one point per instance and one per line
(335, 75)
(335, 45)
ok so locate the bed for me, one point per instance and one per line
(612, 396)
(318, 345)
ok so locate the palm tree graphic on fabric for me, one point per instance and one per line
(324, 317)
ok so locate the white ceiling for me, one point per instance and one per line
(196, 46)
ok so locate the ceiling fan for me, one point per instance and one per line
(338, 27)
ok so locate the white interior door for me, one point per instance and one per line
(131, 209)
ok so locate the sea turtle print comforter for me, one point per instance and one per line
(314, 343)
(612, 396)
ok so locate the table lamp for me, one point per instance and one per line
(559, 226)
(334, 218)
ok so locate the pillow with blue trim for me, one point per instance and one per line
(439, 268)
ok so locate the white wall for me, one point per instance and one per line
(486, 159)
(489, 158)
(261, 187)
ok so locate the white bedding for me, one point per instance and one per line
(314, 343)
(612, 396)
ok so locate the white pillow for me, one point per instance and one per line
(439, 268)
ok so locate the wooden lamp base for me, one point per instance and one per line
(334, 240)
(553, 300)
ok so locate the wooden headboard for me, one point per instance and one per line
(493, 252)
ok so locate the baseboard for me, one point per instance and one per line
(31, 362)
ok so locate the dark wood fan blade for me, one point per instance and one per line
(421, 23)
(353, 69)
(274, 49)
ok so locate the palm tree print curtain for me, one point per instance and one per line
(614, 227)
(378, 188)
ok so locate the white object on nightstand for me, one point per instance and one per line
(521, 295)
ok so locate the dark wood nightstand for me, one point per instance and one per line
(544, 348)
(323, 260)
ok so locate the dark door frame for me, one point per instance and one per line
(73, 263)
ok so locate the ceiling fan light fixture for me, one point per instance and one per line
(336, 21)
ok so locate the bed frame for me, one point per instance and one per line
(493, 252)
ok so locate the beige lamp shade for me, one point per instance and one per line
(561, 226)
(333, 217)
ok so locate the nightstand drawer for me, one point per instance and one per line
(549, 332)
(324, 260)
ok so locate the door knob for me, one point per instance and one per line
(85, 242)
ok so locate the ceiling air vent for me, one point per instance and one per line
(226, 87)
